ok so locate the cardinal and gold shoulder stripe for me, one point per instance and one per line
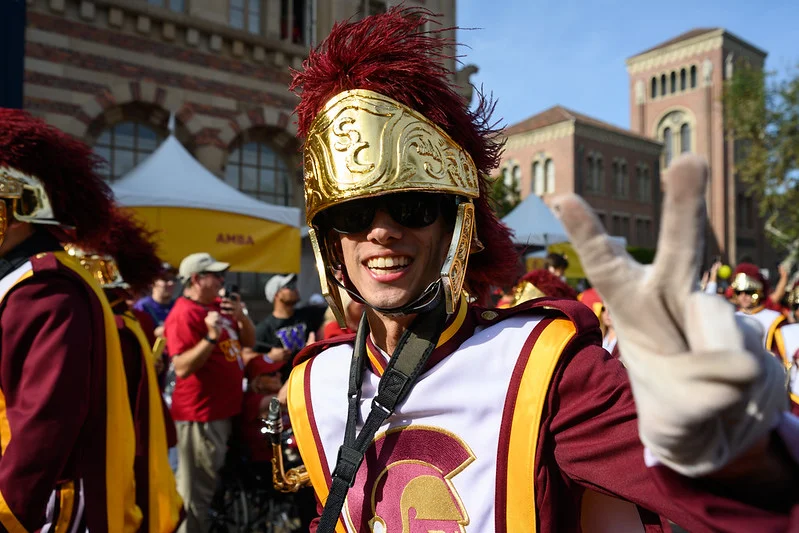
(521, 421)
(165, 504)
(7, 518)
(122, 513)
(304, 427)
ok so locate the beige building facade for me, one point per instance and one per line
(111, 72)
(615, 170)
(676, 91)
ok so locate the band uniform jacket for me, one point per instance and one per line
(521, 422)
(66, 432)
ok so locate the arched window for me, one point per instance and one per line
(693, 77)
(673, 82)
(599, 175)
(589, 176)
(682, 79)
(256, 169)
(667, 146)
(550, 172)
(125, 145)
(539, 184)
(654, 87)
(663, 85)
(685, 138)
(624, 180)
(644, 193)
(515, 178)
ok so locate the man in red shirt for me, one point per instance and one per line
(205, 336)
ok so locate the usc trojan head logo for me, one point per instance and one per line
(404, 484)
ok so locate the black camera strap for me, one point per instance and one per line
(406, 365)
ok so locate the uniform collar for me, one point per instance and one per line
(459, 327)
(40, 241)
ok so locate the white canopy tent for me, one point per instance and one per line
(533, 224)
(194, 211)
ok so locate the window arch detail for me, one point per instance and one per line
(259, 167)
(676, 131)
(125, 135)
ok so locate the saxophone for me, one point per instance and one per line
(296, 478)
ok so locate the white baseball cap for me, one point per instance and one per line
(199, 263)
(276, 283)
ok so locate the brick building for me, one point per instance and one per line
(676, 96)
(615, 170)
(110, 72)
(675, 106)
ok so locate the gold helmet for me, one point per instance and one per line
(749, 279)
(102, 267)
(380, 116)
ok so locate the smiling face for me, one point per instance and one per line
(390, 264)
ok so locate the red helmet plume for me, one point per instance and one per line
(549, 284)
(132, 247)
(392, 55)
(66, 168)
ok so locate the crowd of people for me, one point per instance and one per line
(418, 402)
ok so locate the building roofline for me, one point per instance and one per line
(567, 115)
(670, 46)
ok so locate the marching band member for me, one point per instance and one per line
(440, 414)
(128, 265)
(66, 431)
(750, 289)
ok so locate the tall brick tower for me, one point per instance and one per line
(676, 97)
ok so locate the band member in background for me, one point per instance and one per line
(751, 290)
(128, 265)
(67, 437)
(443, 415)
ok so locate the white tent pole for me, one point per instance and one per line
(171, 124)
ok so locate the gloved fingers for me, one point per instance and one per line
(710, 324)
(694, 386)
(605, 261)
(681, 231)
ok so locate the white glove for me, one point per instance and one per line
(704, 388)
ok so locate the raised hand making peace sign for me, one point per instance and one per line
(705, 389)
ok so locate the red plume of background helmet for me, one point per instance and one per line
(132, 247)
(67, 169)
(390, 54)
(550, 284)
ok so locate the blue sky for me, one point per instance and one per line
(534, 54)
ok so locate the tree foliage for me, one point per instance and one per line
(762, 116)
(505, 195)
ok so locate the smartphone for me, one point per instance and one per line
(230, 290)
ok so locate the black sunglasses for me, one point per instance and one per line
(410, 209)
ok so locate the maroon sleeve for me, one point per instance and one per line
(592, 421)
(45, 377)
(257, 366)
(147, 324)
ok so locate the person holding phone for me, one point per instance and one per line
(205, 336)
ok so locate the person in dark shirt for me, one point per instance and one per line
(286, 331)
(161, 298)
(279, 337)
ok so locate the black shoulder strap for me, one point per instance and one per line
(406, 364)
